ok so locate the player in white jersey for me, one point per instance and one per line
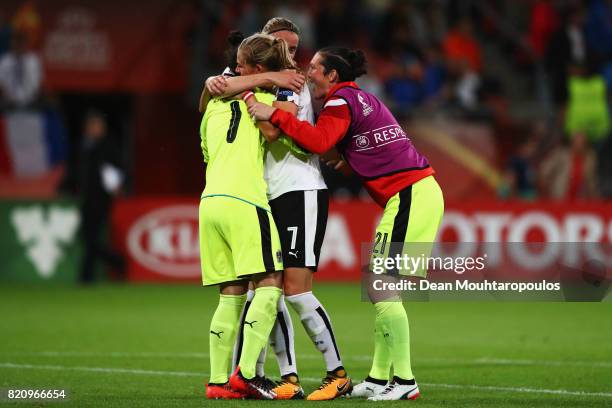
(299, 201)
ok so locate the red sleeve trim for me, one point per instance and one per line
(331, 126)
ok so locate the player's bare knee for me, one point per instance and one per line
(290, 288)
(297, 281)
(274, 279)
(235, 288)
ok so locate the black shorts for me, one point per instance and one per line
(301, 219)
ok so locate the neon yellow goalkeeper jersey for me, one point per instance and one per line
(234, 150)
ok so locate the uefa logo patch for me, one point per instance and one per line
(367, 109)
(362, 142)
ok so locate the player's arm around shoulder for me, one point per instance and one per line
(289, 101)
(214, 86)
(271, 132)
(225, 86)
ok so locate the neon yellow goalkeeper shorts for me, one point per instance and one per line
(409, 225)
(237, 239)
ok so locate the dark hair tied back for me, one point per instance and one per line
(234, 39)
(348, 63)
(358, 62)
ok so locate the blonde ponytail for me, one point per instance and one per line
(268, 51)
(284, 54)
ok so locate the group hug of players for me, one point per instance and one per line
(263, 213)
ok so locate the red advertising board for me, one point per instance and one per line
(136, 46)
(160, 236)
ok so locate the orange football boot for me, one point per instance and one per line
(289, 388)
(334, 385)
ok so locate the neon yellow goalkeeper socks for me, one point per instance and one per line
(257, 326)
(392, 320)
(223, 328)
(381, 363)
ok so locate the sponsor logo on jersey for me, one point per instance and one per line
(287, 95)
(366, 109)
(166, 241)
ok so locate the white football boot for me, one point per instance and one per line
(366, 389)
(395, 391)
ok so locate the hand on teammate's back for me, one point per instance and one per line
(261, 111)
(216, 85)
(334, 160)
(288, 79)
(336, 164)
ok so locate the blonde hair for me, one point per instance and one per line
(268, 51)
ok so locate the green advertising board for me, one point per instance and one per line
(39, 240)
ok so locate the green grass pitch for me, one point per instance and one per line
(146, 346)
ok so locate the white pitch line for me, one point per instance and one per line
(102, 370)
(522, 390)
(502, 361)
(477, 361)
(306, 379)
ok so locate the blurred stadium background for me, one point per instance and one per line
(508, 99)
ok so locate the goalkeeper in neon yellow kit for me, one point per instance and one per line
(238, 238)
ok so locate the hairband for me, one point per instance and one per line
(281, 29)
(340, 58)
